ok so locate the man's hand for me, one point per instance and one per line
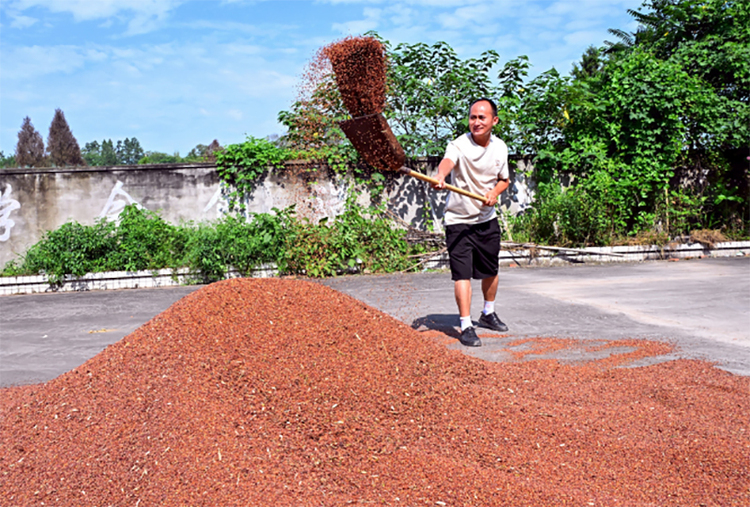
(491, 198)
(493, 194)
(444, 169)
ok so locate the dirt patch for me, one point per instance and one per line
(283, 392)
(707, 237)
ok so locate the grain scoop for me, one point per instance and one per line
(359, 68)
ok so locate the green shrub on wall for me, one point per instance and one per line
(241, 165)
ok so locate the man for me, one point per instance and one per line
(478, 162)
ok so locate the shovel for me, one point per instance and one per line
(374, 140)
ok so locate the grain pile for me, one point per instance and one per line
(287, 393)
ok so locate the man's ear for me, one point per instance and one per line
(495, 120)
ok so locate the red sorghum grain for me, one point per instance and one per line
(359, 67)
(283, 392)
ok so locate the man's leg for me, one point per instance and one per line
(460, 255)
(489, 288)
(489, 318)
(462, 290)
(486, 267)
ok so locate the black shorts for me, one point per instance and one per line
(473, 249)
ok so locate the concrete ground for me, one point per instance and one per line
(702, 306)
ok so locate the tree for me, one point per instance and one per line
(590, 65)
(203, 153)
(129, 151)
(30, 147)
(652, 137)
(429, 92)
(430, 89)
(158, 157)
(212, 150)
(9, 161)
(92, 153)
(108, 154)
(62, 147)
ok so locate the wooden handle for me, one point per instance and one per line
(457, 190)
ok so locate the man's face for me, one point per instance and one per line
(481, 119)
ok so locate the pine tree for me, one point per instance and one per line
(590, 65)
(109, 156)
(30, 147)
(129, 152)
(62, 147)
(92, 153)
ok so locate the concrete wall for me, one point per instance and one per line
(34, 201)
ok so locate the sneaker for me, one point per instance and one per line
(469, 338)
(492, 321)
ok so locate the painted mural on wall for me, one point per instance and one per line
(7, 206)
(117, 201)
(219, 201)
(328, 200)
(520, 194)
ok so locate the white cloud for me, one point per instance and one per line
(83, 10)
(356, 27)
(235, 114)
(472, 17)
(145, 15)
(583, 37)
(30, 62)
(21, 22)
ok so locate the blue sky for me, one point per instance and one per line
(176, 73)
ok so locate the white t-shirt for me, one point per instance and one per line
(477, 169)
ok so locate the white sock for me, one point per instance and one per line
(466, 322)
(489, 307)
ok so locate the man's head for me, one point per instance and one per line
(482, 117)
(489, 101)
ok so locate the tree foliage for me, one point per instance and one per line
(127, 152)
(430, 91)
(7, 161)
(204, 153)
(30, 146)
(654, 139)
(62, 147)
(313, 122)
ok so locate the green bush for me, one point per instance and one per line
(234, 242)
(352, 242)
(145, 241)
(565, 217)
(357, 240)
(73, 249)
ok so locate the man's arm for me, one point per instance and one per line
(444, 169)
(493, 194)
